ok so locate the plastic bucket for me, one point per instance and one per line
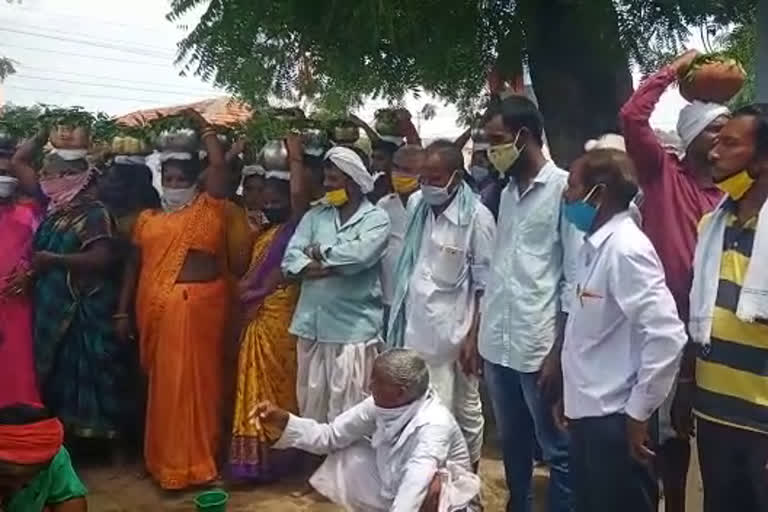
(212, 501)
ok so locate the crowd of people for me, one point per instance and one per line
(350, 306)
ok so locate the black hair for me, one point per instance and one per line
(760, 112)
(384, 145)
(190, 168)
(54, 162)
(313, 161)
(517, 112)
(612, 168)
(23, 414)
(126, 188)
(448, 152)
(283, 187)
(254, 176)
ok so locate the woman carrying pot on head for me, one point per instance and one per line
(21, 210)
(81, 365)
(182, 307)
(267, 362)
(126, 187)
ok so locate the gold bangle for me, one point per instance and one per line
(120, 316)
(207, 133)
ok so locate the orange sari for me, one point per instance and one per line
(182, 329)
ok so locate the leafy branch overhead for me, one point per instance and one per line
(338, 52)
(7, 68)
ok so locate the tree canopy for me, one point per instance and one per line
(337, 53)
(340, 51)
(6, 68)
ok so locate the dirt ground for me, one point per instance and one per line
(126, 490)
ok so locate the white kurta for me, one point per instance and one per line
(451, 269)
(398, 223)
(393, 476)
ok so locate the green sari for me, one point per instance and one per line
(84, 372)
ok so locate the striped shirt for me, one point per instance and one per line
(732, 373)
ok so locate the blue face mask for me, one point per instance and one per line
(479, 172)
(580, 213)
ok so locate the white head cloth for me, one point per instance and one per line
(253, 170)
(607, 141)
(278, 175)
(174, 155)
(130, 160)
(695, 117)
(351, 165)
(70, 154)
(156, 160)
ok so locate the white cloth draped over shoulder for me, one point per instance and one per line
(394, 472)
(753, 298)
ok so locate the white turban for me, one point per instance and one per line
(278, 175)
(607, 141)
(130, 160)
(253, 170)
(351, 165)
(695, 117)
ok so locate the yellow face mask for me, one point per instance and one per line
(337, 197)
(737, 185)
(504, 156)
(404, 183)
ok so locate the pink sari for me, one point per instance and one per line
(18, 383)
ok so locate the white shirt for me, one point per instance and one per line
(624, 339)
(452, 267)
(398, 224)
(532, 271)
(429, 441)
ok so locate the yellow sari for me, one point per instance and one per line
(266, 371)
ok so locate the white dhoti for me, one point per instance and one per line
(350, 478)
(332, 377)
(461, 395)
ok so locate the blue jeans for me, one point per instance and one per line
(522, 418)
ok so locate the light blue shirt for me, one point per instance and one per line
(345, 307)
(531, 273)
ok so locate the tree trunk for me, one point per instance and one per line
(761, 64)
(580, 72)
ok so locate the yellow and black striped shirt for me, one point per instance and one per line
(732, 373)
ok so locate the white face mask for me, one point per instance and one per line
(176, 198)
(70, 154)
(391, 422)
(437, 196)
(8, 186)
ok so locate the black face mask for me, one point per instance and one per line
(276, 215)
